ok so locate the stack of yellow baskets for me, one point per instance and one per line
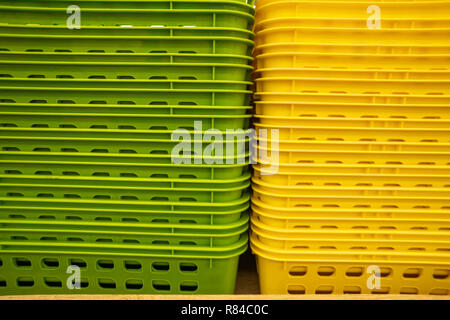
(360, 94)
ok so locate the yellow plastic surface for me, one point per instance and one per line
(315, 22)
(354, 74)
(378, 49)
(266, 2)
(437, 36)
(351, 189)
(326, 59)
(305, 179)
(349, 133)
(364, 200)
(360, 146)
(353, 9)
(381, 123)
(362, 164)
(369, 98)
(351, 110)
(328, 218)
(303, 240)
(347, 273)
(332, 167)
(356, 157)
(353, 86)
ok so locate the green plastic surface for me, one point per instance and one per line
(72, 212)
(119, 165)
(123, 110)
(134, 44)
(124, 84)
(125, 56)
(240, 5)
(43, 269)
(115, 145)
(122, 91)
(149, 234)
(61, 125)
(50, 189)
(111, 31)
(209, 17)
(86, 173)
(123, 70)
(122, 228)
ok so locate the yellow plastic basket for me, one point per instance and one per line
(329, 238)
(353, 86)
(354, 74)
(368, 98)
(298, 59)
(281, 272)
(437, 36)
(348, 133)
(332, 167)
(329, 218)
(315, 179)
(265, 2)
(374, 200)
(379, 49)
(339, 122)
(349, 190)
(352, 9)
(354, 157)
(351, 110)
(330, 22)
(347, 146)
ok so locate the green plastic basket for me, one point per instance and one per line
(134, 44)
(115, 144)
(52, 189)
(124, 70)
(59, 124)
(86, 115)
(116, 92)
(153, 110)
(160, 205)
(43, 269)
(107, 234)
(71, 212)
(156, 133)
(238, 5)
(209, 17)
(156, 183)
(119, 165)
(158, 249)
(173, 203)
(123, 84)
(153, 57)
(113, 31)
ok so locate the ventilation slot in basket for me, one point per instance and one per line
(296, 289)
(189, 286)
(160, 266)
(161, 285)
(134, 284)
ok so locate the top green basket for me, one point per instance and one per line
(130, 17)
(238, 5)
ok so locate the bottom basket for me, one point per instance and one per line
(287, 273)
(45, 270)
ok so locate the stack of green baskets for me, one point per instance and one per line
(92, 199)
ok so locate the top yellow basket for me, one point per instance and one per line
(268, 9)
